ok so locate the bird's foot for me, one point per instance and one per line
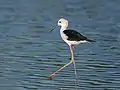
(50, 77)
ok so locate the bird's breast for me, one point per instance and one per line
(63, 35)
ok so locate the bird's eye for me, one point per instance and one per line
(59, 21)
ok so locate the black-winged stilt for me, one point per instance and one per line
(72, 38)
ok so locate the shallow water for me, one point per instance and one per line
(29, 53)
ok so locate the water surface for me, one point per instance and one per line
(29, 53)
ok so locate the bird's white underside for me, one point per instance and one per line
(74, 42)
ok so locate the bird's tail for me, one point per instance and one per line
(89, 40)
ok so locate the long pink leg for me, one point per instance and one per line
(71, 61)
(72, 57)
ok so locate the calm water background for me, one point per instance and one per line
(29, 53)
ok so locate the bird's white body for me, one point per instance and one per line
(64, 26)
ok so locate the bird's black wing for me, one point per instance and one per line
(75, 36)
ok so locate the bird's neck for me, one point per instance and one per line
(63, 28)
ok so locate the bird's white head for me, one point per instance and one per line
(63, 23)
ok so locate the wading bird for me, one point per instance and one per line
(72, 38)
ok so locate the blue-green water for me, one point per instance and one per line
(29, 53)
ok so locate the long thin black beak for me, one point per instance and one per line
(53, 29)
